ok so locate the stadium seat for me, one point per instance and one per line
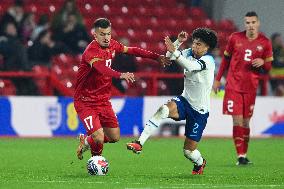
(226, 25)
(41, 83)
(163, 89)
(7, 87)
(197, 13)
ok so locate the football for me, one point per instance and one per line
(97, 165)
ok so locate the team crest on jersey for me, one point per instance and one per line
(259, 48)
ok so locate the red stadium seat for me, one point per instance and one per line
(7, 87)
(226, 25)
(163, 89)
(197, 13)
(42, 83)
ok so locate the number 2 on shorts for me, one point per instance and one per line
(230, 105)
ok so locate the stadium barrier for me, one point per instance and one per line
(22, 116)
(53, 82)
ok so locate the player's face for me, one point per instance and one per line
(103, 36)
(252, 25)
(199, 48)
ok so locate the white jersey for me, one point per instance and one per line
(199, 78)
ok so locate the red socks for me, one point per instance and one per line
(96, 148)
(246, 138)
(241, 139)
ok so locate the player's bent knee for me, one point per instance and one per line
(114, 139)
(98, 136)
(163, 111)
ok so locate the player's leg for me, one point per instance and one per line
(190, 152)
(91, 122)
(238, 137)
(195, 124)
(93, 140)
(233, 104)
(246, 138)
(165, 111)
(111, 131)
(249, 101)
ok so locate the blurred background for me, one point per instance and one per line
(41, 43)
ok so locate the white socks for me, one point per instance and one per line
(153, 123)
(193, 156)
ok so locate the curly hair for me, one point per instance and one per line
(206, 35)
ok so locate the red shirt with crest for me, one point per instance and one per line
(94, 78)
(242, 77)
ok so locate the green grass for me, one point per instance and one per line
(52, 163)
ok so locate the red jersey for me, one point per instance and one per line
(92, 85)
(242, 77)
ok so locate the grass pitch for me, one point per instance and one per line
(52, 163)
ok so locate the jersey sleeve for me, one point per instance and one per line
(268, 53)
(188, 63)
(229, 47)
(97, 61)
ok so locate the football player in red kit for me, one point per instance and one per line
(93, 87)
(248, 53)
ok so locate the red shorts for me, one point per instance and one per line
(96, 117)
(236, 103)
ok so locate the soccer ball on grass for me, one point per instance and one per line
(97, 165)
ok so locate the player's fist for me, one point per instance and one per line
(169, 45)
(182, 36)
(129, 77)
(164, 61)
(216, 86)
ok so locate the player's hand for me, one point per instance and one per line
(182, 36)
(164, 61)
(216, 86)
(256, 63)
(129, 77)
(169, 45)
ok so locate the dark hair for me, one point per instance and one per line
(274, 36)
(102, 23)
(206, 35)
(251, 14)
(43, 19)
(19, 3)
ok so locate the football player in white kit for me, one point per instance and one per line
(193, 105)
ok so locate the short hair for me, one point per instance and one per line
(102, 23)
(206, 35)
(274, 36)
(251, 14)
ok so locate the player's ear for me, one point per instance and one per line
(93, 32)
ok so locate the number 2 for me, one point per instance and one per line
(194, 130)
(230, 105)
(248, 54)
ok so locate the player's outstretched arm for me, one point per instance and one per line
(147, 54)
